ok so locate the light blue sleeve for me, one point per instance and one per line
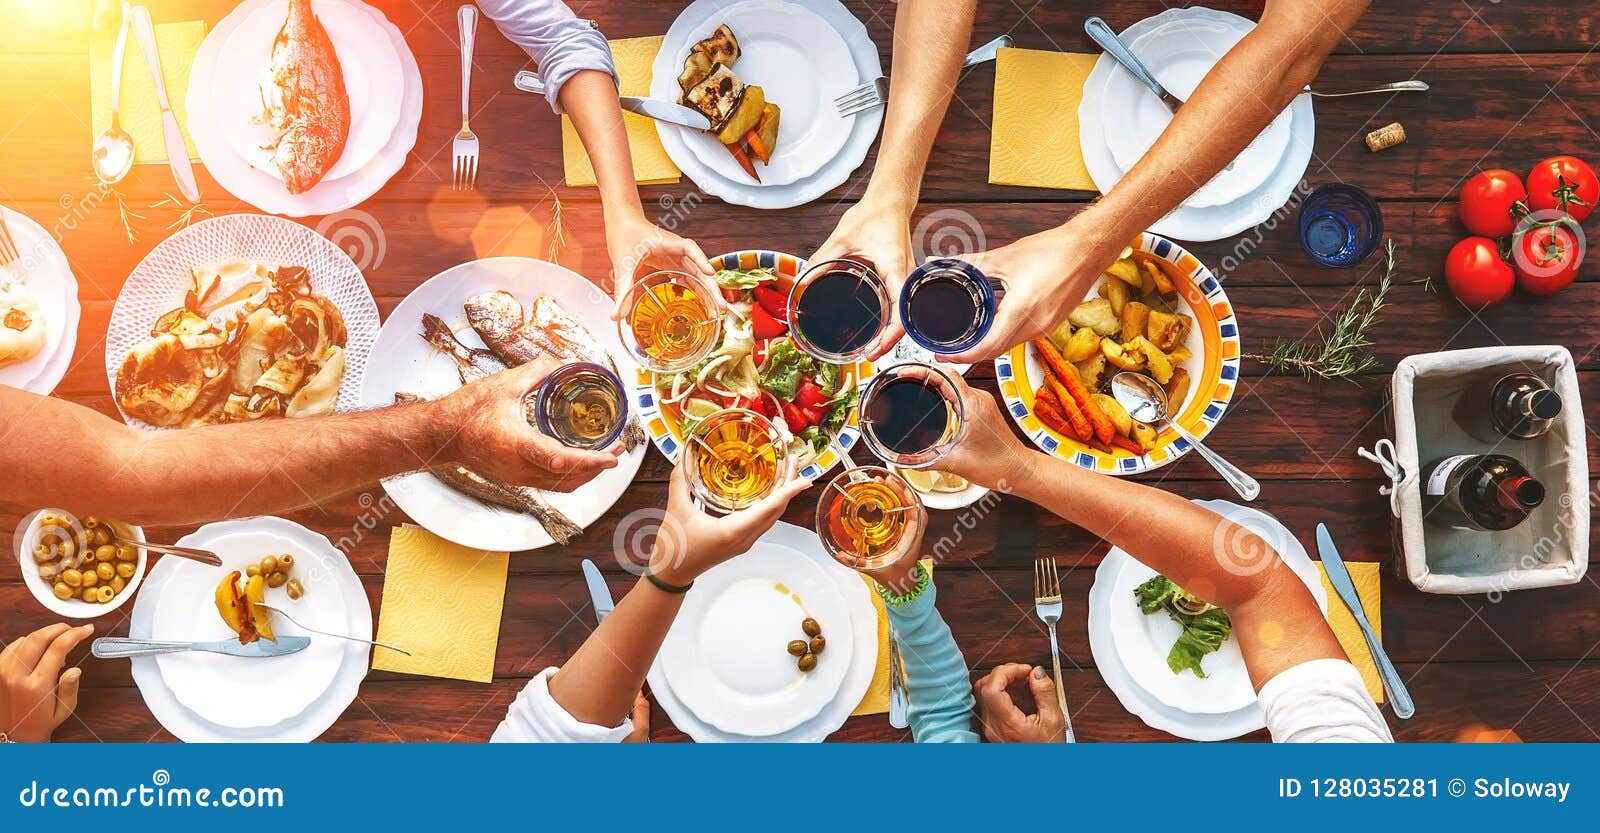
(937, 682)
(557, 41)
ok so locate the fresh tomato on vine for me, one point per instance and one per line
(1492, 202)
(1547, 257)
(1563, 183)
(1477, 275)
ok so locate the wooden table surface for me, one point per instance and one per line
(1512, 83)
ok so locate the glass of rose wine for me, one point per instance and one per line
(581, 404)
(672, 321)
(869, 518)
(735, 457)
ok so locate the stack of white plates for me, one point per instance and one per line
(1130, 647)
(1119, 119)
(723, 674)
(204, 697)
(381, 80)
(41, 269)
(803, 56)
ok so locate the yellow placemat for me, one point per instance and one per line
(651, 165)
(876, 700)
(141, 115)
(441, 602)
(1035, 132)
(1367, 577)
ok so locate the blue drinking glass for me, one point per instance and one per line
(961, 314)
(1340, 225)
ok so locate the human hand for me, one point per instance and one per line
(691, 542)
(638, 246)
(988, 452)
(488, 431)
(1003, 722)
(35, 696)
(880, 235)
(1045, 276)
(640, 719)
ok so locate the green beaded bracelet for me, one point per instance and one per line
(901, 600)
(664, 586)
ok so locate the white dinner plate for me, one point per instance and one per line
(42, 270)
(160, 281)
(863, 630)
(1125, 653)
(858, 130)
(1186, 222)
(329, 580)
(1179, 53)
(266, 191)
(373, 82)
(402, 361)
(726, 656)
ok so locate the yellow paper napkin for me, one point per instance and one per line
(651, 165)
(1366, 576)
(876, 700)
(141, 114)
(441, 602)
(1034, 141)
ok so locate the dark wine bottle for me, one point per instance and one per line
(1497, 406)
(1479, 492)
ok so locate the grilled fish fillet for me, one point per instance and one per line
(307, 106)
(471, 362)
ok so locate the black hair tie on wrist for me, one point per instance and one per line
(664, 586)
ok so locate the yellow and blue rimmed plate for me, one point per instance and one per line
(1214, 367)
(666, 430)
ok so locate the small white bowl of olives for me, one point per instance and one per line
(73, 565)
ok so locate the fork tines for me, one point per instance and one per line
(1046, 581)
(8, 247)
(864, 97)
(465, 172)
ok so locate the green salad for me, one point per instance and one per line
(1205, 626)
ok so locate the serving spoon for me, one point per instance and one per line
(1146, 402)
(113, 148)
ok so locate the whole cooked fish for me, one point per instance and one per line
(497, 493)
(473, 363)
(305, 101)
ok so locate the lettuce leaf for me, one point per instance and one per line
(744, 279)
(1203, 632)
(786, 364)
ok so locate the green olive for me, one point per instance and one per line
(72, 577)
(817, 644)
(48, 572)
(105, 593)
(105, 553)
(106, 572)
(90, 578)
(285, 563)
(62, 591)
(42, 554)
(252, 571)
(66, 547)
(808, 662)
(126, 570)
(810, 626)
(118, 583)
(89, 595)
(798, 647)
(100, 537)
(127, 552)
(294, 589)
(269, 565)
(276, 579)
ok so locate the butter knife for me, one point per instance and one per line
(116, 647)
(1339, 577)
(177, 152)
(654, 108)
(599, 593)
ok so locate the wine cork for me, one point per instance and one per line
(1386, 136)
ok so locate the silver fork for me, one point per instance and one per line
(285, 614)
(875, 92)
(465, 145)
(899, 703)
(1047, 603)
(8, 247)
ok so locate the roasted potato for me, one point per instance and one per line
(745, 117)
(1093, 370)
(1097, 316)
(1160, 366)
(1117, 293)
(1134, 316)
(1061, 335)
(1166, 330)
(1144, 435)
(1177, 388)
(1114, 410)
(1121, 358)
(1084, 344)
(1127, 271)
(1158, 276)
(767, 131)
(1179, 356)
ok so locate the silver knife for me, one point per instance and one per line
(116, 647)
(1339, 577)
(599, 593)
(177, 153)
(654, 108)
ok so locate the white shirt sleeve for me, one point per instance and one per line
(1322, 701)
(535, 717)
(557, 41)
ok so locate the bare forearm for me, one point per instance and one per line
(597, 686)
(930, 39)
(590, 100)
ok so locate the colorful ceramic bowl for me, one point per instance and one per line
(1214, 369)
(667, 432)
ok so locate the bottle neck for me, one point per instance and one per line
(1519, 493)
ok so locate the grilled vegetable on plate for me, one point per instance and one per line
(744, 121)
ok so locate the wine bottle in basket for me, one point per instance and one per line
(1498, 406)
(1479, 492)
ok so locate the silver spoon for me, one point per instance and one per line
(285, 614)
(202, 556)
(113, 149)
(1102, 34)
(1146, 402)
(1395, 87)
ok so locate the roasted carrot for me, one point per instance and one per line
(753, 140)
(1081, 428)
(743, 158)
(1127, 445)
(1068, 376)
(1052, 418)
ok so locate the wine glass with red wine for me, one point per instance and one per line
(911, 415)
(839, 308)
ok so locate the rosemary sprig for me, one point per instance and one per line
(556, 232)
(1340, 353)
(186, 216)
(126, 216)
